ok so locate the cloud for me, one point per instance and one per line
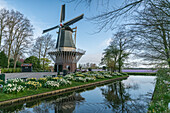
(91, 58)
(106, 42)
(3, 4)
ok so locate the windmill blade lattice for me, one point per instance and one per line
(62, 16)
(44, 31)
(74, 20)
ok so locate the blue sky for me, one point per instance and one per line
(46, 13)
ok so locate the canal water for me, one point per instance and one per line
(132, 95)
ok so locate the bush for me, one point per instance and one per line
(80, 79)
(55, 78)
(107, 76)
(18, 70)
(17, 81)
(52, 84)
(10, 88)
(63, 82)
(13, 70)
(31, 79)
(42, 80)
(2, 70)
(80, 75)
(33, 85)
(69, 77)
(5, 70)
(10, 70)
(49, 78)
(100, 77)
(90, 79)
(2, 82)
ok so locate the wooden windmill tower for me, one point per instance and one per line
(66, 55)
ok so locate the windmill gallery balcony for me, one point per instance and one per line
(66, 59)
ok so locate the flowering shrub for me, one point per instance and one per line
(85, 74)
(2, 82)
(64, 82)
(119, 74)
(55, 78)
(42, 80)
(100, 77)
(49, 78)
(90, 79)
(10, 88)
(107, 76)
(33, 85)
(15, 81)
(91, 75)
(31, 79)
(52, 84)
(80, 75)
(69, 77)
(80, 79)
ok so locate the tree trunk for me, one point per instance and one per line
(43, 64)
(9, 54)
(119, 65)
(15, 61)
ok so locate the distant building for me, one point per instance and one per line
(21, 60)
(26, 67)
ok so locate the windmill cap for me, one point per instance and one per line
(68, 28)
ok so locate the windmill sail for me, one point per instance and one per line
(62, 16)
(74, 20)
(44, 31)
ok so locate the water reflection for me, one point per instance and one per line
(126, 96)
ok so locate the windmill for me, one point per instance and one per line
(66, 54)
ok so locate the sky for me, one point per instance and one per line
(44, 14)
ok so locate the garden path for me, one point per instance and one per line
(28, 75)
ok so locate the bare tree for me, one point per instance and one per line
(17, 29)
(37, 48)
(3, 23)
(42, 45)
(110, 17)
(22, 40)
(121, 46)
(152, 28)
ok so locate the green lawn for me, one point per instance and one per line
(139, 73)
(161, 96)
(27, 92)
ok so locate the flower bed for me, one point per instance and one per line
(52, 84)
(15, 81)
(13, 88)
(17, 85)
(49, 86)
(33, 85)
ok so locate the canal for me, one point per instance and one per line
(132, 95)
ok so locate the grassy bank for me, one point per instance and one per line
(28, 92)
(140, 73)
(161, 96)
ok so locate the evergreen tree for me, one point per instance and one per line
(3, 60)
(34, 61)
